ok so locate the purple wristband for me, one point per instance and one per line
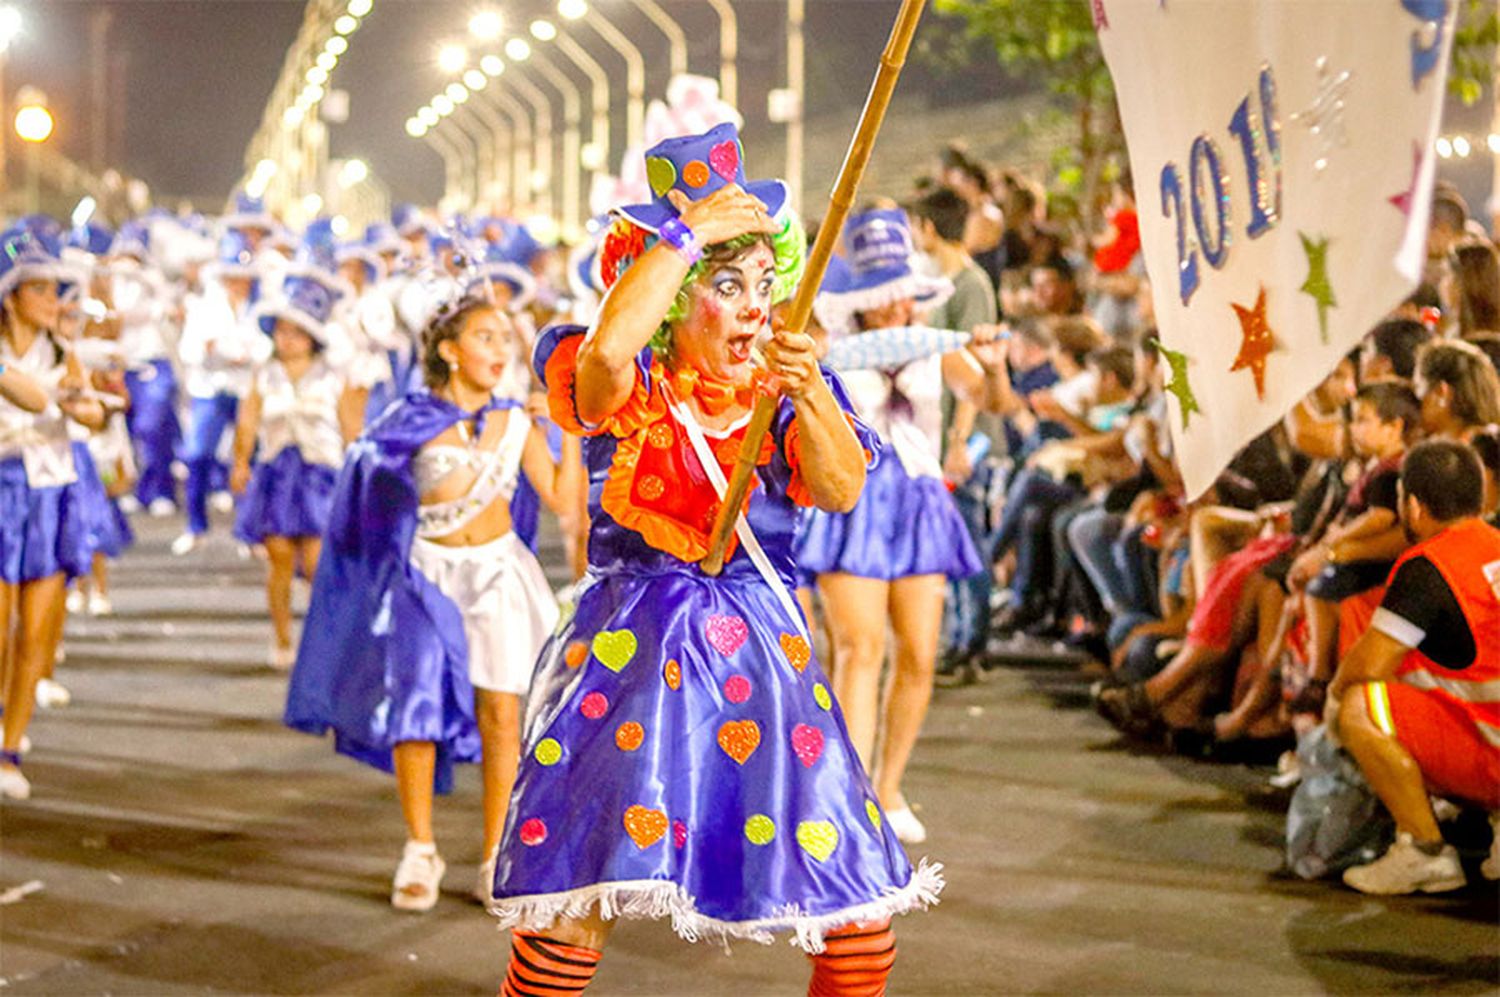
(675, 233)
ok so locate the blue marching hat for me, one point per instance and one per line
(382, 237)
(358, 249)
(91, 237)
(698, 165)
(24, 256)
(407, 220)
(133, 239)
(248, 212)
(879, 254)
(307, 300)
(234, 257)
(498, 267)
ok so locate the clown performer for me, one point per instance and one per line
(140, 297)
(220, 349)
(43, 542)
(428, 612)
(886, 564)
(291, 421)
(684, 756)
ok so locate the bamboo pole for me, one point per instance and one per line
(844, 191)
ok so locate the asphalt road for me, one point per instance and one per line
(184, 842)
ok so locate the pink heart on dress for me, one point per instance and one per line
(807, 743)
(727, 633)
(725, 159)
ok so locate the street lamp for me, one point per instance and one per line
(572, 99)
(33, 123)
(635, 72)
(539, 181)
(677, 61)
(729, 45)
(452, 59)
(34, 126)
(486, 25)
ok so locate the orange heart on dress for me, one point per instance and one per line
(739, 739)
(794, 646)
(645, 826)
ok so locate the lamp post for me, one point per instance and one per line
(33, 126)
(677, 61)
(598, 104)
(10, 28)
(473, 152)
(453, 161)
(572, 100)
(729, 51)
(539, 182)
(520, 136)
(796, 81)
(635, 75)
(499, 177)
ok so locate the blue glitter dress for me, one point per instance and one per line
(682, 754)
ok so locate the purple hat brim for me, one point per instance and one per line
(653, 215)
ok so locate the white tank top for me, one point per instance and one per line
(39, 439)
(304, 414)
(905, 408)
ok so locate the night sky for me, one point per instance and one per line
(198, 72)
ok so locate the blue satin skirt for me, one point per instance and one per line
(286, 497)
(684, 757)
(88, 499)
(42, 530)
(901, 527)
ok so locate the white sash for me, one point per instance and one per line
(741, 526)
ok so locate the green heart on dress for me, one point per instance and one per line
(818, 838)
(614, 648)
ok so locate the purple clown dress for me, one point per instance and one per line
(682, 754)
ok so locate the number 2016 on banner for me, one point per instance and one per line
(1208, 194)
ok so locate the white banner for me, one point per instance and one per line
(1282, 152)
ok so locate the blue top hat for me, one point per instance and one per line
(133, 239)
(319, 246)
(24, 256)
(307, 299)
(91, 237)
(407, 219)
(248, 212)
(698, 165)
(358, 249)
(520, 245)
(500, 268)
(234, 258)
(879, 253)
(382, 237)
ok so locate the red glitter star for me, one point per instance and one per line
(1258, 342)
(1403, 200)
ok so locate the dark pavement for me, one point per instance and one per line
(185, 842)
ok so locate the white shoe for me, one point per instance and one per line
(1405, 868)
(50, 693)
(1490, 867)
(282, 658)
(418, 878)
(76, 601)
(1288, 771)
(185, 544)
(907, 828)
(130, 505)
(484, 884)
(99, 604)
(13, 785)
(221, 502)
(243, 552)
(162, 507)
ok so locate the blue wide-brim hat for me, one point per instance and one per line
(24, 256)
(880, 255)
(382, 237)
(374, 265)
(233, 257)
(698, 165)
(520, 281)
(306, 299)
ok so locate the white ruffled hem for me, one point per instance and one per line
(654, 899)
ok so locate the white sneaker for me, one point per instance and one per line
(50, 693)
(13, 785)
(99, 604)
(282, 658)
(1405, 868)
(1490, 867)
(907, 828)
(162, 507)
(484, 884)
(185, 544)
(418, 877)
(221, 502)
(1288, 771)
(76, 601)
(130, 505)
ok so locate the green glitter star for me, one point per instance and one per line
(1317, 286)
(1187, 402)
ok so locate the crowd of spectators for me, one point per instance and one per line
(1314, 572)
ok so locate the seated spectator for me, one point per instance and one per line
(1458, 388)
(1414, 699)
(1054, 289)
(1390, 350)
(1472, 286)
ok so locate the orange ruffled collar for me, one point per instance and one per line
(715, 397)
